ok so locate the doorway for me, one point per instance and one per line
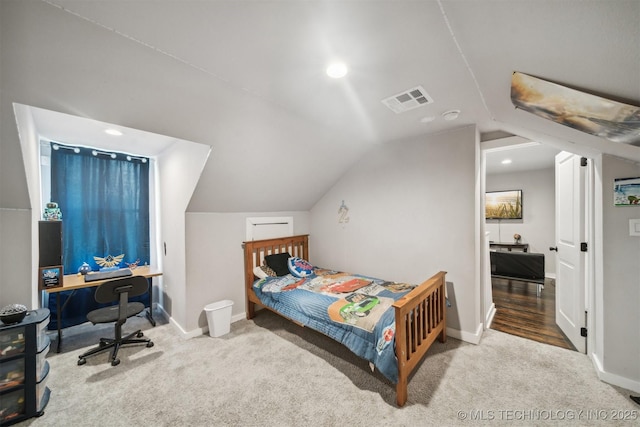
(518, 164)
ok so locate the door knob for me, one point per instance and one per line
(553, 248)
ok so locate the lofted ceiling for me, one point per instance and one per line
(247, 77)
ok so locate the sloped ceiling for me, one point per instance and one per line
(247, 77)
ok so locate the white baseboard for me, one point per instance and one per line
(158, 308)
(199, 331)
(472, 338)
(184, 334)
(490, 315)
(238, 317)
(192, 333)
(614, 379)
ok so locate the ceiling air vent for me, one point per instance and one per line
(408, 100)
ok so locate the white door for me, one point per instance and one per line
(570, 232)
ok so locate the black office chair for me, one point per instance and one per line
(117, 290)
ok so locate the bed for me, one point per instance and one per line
(408, 318)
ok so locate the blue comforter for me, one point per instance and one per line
(354, 310)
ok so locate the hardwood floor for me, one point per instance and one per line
(519, 312)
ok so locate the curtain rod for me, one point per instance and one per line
(96, 152)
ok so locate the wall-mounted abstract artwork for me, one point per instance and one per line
(585, 112)
(626, 192)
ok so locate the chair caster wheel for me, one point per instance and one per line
(115, 362)
(140, 335)
(82, 361)
(150, 344)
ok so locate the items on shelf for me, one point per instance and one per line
(52, 212)
(24, 370)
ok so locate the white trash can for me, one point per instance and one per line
(219, 317)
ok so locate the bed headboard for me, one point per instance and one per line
(256, 250)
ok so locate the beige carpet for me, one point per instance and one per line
(269, 372)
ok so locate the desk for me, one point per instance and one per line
(71, 282)
(509, 246)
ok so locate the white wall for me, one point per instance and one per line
(16, 271)
(179, 169)
(412, 209)
(27, 292)
(215, 260)
(620, 287)
(537, 227)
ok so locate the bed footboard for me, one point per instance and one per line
(420, 319)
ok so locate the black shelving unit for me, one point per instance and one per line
(24, 370)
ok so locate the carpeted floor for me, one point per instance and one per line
(270, 372)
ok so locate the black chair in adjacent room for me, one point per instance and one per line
(118, 290)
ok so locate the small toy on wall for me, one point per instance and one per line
(343, 214)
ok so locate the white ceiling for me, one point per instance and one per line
(523, 158)
(73, 130)
(248, 76)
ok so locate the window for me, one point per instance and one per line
(104, 199)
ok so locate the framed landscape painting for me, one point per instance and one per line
(503, 204)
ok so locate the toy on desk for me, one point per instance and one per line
(109, 260)
(133, 265)
(84, 269)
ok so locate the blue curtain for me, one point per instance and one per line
(104, 200)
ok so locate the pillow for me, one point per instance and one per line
(299, 267)
(278, 262)
(268, 271)
(262, 272)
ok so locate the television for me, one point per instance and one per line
(503, 204)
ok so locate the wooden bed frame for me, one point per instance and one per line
(420, 315)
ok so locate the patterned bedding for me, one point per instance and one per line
(354, 310)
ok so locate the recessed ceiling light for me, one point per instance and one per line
(451, 115)
(337, 70)
(427, 119)
(506, 161)
(114, 132)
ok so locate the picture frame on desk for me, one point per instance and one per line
(50, 277)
